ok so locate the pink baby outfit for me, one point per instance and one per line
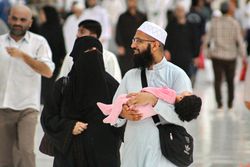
(113, 110)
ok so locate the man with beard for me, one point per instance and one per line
(24, 57)
(141, 138)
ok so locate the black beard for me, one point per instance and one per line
(144, 59)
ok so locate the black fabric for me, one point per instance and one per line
(57, 129)
(51, 30)
(176, 143)
(99, 144)
(46, 145)
(82, 44)
(226, 68)
(87, 85)
(183, 43)
(125, 30)
(198, 22)
(248, 42)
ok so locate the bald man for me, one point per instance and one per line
(24, 58)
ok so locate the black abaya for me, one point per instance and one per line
(98, 145)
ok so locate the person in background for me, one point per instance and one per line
(247, 86)
(156, 10)
(114, 9)
(4, 9)
(70, 25)
(246, 24)
(126, 27)
(3, 27)
(94, 29)
(196, 18)
(227, 44)
(24, 58)
(51, 29)
(182, 45)
(96, 12)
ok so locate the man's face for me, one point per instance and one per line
(19, 21)
(232, 7)
(132, 4)
(141, 44)
(84, 32)
(91, 3)
(180, 12)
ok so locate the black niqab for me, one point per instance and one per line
(83, 44)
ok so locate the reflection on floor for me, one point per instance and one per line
(222, 139)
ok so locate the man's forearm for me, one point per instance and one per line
(37, 66)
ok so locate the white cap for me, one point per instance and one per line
(154, 31)
(217, 13)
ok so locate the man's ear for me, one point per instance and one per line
(31, 22)
(155, 46)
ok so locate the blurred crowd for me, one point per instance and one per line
(188, 22)
(113, 14)
(201, 34)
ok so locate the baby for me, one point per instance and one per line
(187, 105)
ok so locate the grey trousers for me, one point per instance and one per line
(17, 131)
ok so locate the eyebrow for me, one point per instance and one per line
(19, 18)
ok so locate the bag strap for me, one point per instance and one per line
(145, 84)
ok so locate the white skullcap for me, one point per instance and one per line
(154, 31)
(217, 13)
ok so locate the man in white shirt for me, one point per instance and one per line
(96, 12)
(93, 28)
(70, 25)
(24, 57)
(141, 138)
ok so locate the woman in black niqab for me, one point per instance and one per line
(88, 83)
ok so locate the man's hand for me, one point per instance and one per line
(130, 114)
(79, 128)
(38, 66)
(141, 98)
(14, 52)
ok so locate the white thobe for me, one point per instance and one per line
(114, 8)
(70, 28)
(100, 14)
(141, 138)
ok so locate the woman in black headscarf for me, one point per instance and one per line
(72, 119)
(51, 29)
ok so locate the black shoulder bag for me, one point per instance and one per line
(176, 143)
(46, 147)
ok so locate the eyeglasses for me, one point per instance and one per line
(138, 40)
